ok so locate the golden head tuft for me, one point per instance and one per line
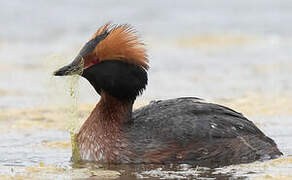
(122, 43)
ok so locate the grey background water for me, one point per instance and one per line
(33, 31)
(209, 49)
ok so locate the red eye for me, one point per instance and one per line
(92, 61)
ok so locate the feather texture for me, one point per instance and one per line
(122, 43)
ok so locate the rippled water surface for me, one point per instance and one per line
(236, 53)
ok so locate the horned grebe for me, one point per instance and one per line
(182, 130)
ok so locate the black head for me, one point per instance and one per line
(113, 61)
(117, 78)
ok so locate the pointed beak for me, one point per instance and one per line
(76, 67)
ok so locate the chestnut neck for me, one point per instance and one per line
(111, 110)
(101, 133)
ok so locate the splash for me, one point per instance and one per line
(72, 112)
(74, 121)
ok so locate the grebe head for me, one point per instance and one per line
(114, 61)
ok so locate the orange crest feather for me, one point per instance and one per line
(122, 43)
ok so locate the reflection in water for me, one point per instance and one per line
(258, 170)
(44, 151)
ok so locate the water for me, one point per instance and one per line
(236, 53)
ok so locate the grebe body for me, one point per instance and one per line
(175, 131)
